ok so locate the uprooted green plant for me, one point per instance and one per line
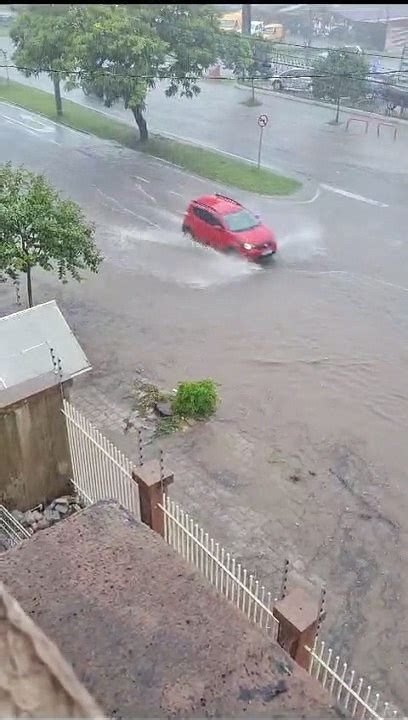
(197, 399)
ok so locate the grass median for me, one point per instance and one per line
(206, 163)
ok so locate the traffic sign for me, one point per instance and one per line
(263, 121)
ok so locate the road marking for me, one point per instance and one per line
(149, 222)
(125, 209)
(44, 127)
(29, 129)
(146, 194)
(173, 192)
(353, 196)
(142, 179)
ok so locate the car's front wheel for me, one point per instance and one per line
(277, 85)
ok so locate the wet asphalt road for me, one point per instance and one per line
(310, 354)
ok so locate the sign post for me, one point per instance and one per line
(262, 122)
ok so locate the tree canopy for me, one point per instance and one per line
(40, 228)
(340, 74)
(120, 52)
(43, 39)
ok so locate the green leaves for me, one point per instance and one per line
(341, 74)
(40, 228)
(42, 38)
(196, 399)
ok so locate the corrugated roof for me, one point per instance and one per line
(26, 340)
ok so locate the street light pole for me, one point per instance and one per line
(246, 20)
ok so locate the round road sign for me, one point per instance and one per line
(263, 121)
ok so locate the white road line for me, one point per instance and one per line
(353, 196)
(146, 194)
(142, 179)
(125, 209)
(149, 222)
(173, 192)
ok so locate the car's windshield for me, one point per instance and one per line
(241, 220)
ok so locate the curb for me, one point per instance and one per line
(304, 179)
(318, 103)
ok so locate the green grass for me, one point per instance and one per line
(222, 169)
(206, 163)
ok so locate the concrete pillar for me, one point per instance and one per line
(151, 488)
(298, 616)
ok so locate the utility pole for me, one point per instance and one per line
(310, 27)
(246, 20)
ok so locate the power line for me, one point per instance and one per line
(276, 45)
(91, 74)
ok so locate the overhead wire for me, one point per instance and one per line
(193, 78)
(301, 46)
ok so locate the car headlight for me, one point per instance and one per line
(248, 246)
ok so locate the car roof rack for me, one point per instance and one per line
(225, 197)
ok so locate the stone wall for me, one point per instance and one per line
(35, 680)
(35, 465)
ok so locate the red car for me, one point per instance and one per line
(224, 224)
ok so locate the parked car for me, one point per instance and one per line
(224, 224)
(294, 80)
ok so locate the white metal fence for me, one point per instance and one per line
(100, 470)
(219, 567)
(353, 695)
(10, 528)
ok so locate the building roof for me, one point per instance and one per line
(26, 341)
(146, 634)
(373, 14)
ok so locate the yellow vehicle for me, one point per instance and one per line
(232, 22)
(274, 32)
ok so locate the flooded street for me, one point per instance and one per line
(307, 456)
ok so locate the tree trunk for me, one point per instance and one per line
(29, 287)
(141, 123)
(57, 93)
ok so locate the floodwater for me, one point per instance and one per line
(307, 456)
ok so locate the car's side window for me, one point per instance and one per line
(212, 220)
(198, 212)
(206, 216)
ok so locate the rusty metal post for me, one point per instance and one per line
(299, 617)
(151, 485)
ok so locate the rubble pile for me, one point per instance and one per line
(42, 517)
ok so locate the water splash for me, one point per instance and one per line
(302, 245)
(172, 257)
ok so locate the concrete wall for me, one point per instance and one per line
(35, 464)
(35, 680)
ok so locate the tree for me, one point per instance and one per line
(119, 55)
(340, 74)
(43, 38)
(123, 51)
(39, 228)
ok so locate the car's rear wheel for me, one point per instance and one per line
(277, 85)
(188, 233)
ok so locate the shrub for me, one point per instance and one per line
(196, 399)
